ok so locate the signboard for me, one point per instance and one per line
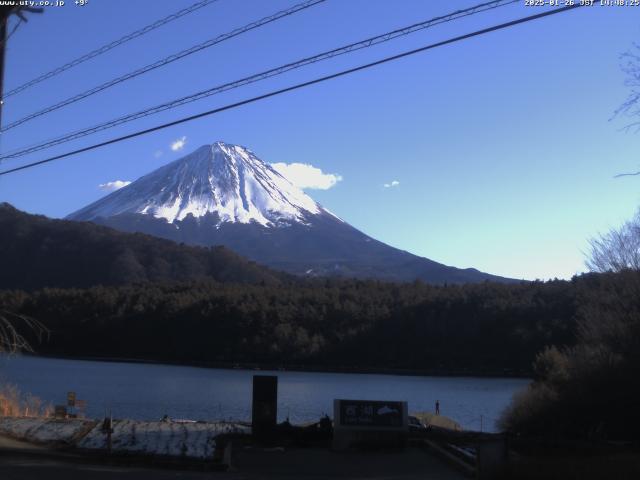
(371, 413)
(369, 424)
(71, 399)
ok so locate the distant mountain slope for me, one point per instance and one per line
(37, 252)
(223, 194)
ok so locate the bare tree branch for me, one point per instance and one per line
(11, 340)
(630, 65)
(617, 250)
(626, 174)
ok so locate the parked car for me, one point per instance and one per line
(416, 424)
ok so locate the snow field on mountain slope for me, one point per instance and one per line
(225, 179)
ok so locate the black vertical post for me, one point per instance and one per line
(264, 409)
(4, 19)
(5, 13)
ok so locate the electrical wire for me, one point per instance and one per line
(298, 86)
(105, 48)
(369, 42)
(165, 61)
(13, 30)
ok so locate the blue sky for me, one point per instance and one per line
(501, 145)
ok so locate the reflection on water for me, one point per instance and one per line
(148, 391)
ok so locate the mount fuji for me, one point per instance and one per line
(222, 194)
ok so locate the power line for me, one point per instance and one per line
(165, 61)
(369, 42)
(297, 86)
(13, 30)
(105, 48)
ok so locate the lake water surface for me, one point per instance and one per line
(148, 391)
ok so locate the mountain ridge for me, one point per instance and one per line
(39, 252)
(223, 194)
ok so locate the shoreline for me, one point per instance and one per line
(299, 368)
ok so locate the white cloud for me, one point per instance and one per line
(303, 175)
(394, 183)
(179, 144)
(113, 186)
(157, 153)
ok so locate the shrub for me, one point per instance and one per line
(14, 404)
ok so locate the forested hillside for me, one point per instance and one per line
(589, 389)
(352, 324)
(111, 294)
(37, 252)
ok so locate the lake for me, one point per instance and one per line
(149, 391)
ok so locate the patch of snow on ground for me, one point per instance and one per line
(194, 440)
(176, 439)
(44, 430)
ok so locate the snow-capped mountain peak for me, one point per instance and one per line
(222, 194)
(223, 179)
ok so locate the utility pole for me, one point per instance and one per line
(5, 13)
(4, 20)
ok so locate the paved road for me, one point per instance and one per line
(250, 465)
(7, 442)
(28, 468)
(412, 464)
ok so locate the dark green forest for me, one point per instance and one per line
(103, 293)
(100, 293)
(37, 252)
(331, 323)
(589, 389)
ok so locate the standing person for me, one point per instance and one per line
(437, 407)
